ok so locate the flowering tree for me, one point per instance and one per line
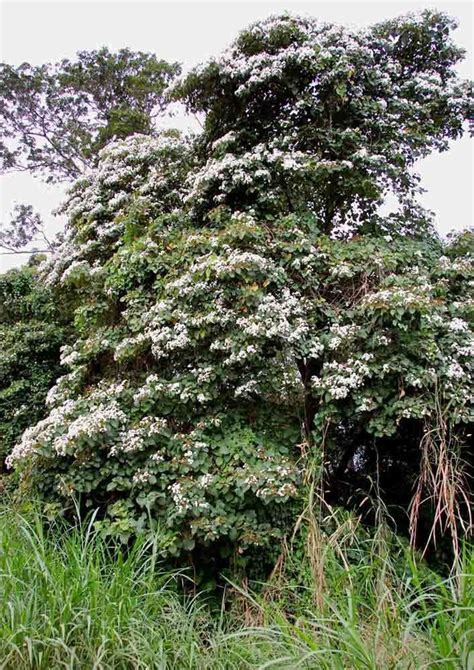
(308, 116)
(241, 303)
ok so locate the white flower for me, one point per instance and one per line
(245, 390)
(383, 340)
(458, 325)
(342, 270)
(340, 333)
(141, 477)
(454, 371)
(181, 501)
(205, 480)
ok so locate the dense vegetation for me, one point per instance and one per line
(32, 330)
(68, 601)
(262, 373)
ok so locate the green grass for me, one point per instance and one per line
(337, 600)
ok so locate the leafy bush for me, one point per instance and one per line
(32, 330)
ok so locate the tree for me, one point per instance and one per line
(55, 117)
(275, 317)
(308, 116)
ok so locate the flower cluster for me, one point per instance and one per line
(338, 379)
(140, 171)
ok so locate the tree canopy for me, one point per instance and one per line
(327, 119)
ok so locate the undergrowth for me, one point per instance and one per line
(339, 597)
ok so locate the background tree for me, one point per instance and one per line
(25, 227)
(55, 118)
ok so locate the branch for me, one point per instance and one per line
(33, 251)
(24, 228)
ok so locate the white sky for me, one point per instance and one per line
(190, 32)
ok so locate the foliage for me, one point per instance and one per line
(70, 600)
(309, 116)
(55, 117)
(32, 330)
(242, 305)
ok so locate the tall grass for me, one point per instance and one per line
(67, 601)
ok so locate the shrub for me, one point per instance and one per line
(32, 330)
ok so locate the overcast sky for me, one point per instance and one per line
(190, 32)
